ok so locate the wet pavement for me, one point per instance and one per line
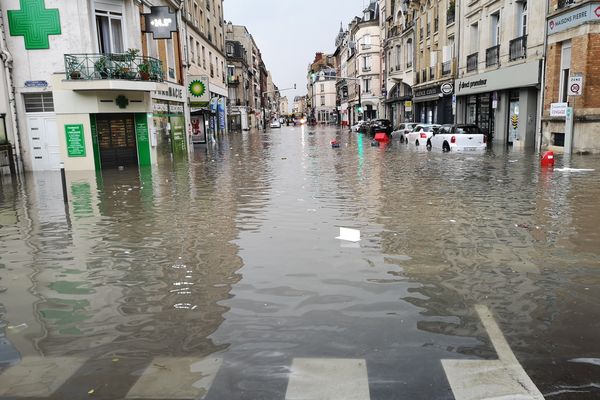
(222, 278)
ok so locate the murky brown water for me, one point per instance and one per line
(234, 256)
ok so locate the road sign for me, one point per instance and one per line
(558, 109)
(575, 85)
(447, 88)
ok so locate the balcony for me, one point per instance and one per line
(113, 71)
(233, 80)
(408, 25)
(366, 69)
(394, 31)
(565, 3)
(517, 48)
(472, 62)
(492, 56)
(446, 68)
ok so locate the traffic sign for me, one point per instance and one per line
(575, 85)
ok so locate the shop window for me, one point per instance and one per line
(38, 102)
(558, 139)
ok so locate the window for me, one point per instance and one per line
(109, 29)
(366, 63)
(565, 67)
(522, 18)
(38, 102)
(367, 42)
(322, 87)
(192, 46)
(366, 88)
(322, 100)
(474, 38)
(495, 29)
(409, 53)
(230, 70)
(398, 57)
(229, 49)
(203, 57)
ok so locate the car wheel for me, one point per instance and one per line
(416, 143)
(446, 147)
(429, 145)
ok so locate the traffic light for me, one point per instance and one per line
(359, 109)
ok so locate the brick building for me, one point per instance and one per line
(573, 50)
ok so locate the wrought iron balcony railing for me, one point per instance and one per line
(472, 61)
(446, 68)
(517, 48)
(125, 66)
(492, 56)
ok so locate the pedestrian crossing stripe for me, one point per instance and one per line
(504, 378)
(309, 378)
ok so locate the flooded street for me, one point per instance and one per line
(222, 278)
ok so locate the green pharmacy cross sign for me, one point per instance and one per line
(35, 23)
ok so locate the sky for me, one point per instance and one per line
(290, 32)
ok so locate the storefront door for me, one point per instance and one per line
(116, 140)
(513, 118)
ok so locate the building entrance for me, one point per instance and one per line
(116, 140)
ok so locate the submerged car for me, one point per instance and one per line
(403, 129)
(275, 124)
(421, 134)
(461, 137)
(380, 125)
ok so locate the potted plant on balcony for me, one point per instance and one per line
(101, 67)
(144, 70)
(73, 68)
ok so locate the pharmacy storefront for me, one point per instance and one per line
(503, 103)
(168, 121)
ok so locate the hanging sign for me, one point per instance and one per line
(198, 93)
(161, 22)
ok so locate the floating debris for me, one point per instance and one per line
(349, 235)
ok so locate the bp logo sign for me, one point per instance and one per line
(197, 88)
(198, 91)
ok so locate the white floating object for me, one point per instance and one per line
(593, 361)
(349, 235)
(574, 169)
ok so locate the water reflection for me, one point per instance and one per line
(234, 254)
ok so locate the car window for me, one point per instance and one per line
(468, 130)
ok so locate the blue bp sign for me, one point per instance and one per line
(161, 22)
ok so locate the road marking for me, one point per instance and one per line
(328, 379)
(37, 376)
(502, 379)
(176, 378)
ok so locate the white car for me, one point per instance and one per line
(402, 130)
(421, 134)
(275, 124)
(466, 137)
(354, 128)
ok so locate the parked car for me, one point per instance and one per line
(364, 126)
(461, 137)
(403, 129)
(380, 125)
(275, 123)
(356, 126)
(421, 134)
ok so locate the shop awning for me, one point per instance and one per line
(433, 97)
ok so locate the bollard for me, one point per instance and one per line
(548, 159)
(64, 182)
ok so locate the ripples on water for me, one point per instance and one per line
(234, 254)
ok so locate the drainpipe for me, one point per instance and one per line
(543, 79)
(7, 62)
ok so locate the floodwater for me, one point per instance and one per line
(213, 278)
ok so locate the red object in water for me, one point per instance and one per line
(548, 159)
(335, 143)
(381, 137)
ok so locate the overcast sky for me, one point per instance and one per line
(289, 32)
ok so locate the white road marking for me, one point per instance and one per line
(328, 379)
(176, 378)
(502, 379)
(37, 376)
